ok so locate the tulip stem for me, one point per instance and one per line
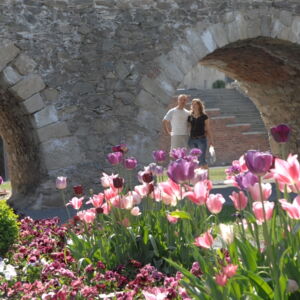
(65, 204)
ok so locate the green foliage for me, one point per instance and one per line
(9, 227)
(218, 84)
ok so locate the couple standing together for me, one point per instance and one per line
(190, 128)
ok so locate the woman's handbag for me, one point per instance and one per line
(212, 154)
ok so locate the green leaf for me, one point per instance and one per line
(153, 243)
(180, 214)
(248, 254)
(261, 284)
(296, 228)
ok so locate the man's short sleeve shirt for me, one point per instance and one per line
(178, 119)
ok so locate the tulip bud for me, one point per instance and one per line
(118, 182)
(61, 182)
(147, 177)
(281, 133)
(78, 190)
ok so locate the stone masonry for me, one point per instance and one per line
(78, 76)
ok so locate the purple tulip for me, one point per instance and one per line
(181, 171)
(1, 180)
(159, 155)
(259, 163)
(195, 152)
(61, 182)
(155, 169)
(115, 158)
(130, 163)
(281, 133)
(246, 180)
(177, 153)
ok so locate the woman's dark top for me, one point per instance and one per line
(197, 126)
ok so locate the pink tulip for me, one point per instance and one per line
(221, 279)
(205, 240)
(142, 189)
(87, 216)
(110, 193)
(230, 270)
(76, 202)
(135, 211)
(258, 211)
(96, 200)
(107, 180)
(106, 208)
(215, 203)
(200, 192)
(255, 191)
(126, 202)
(239, 199)
(287, 172)
(292, 209)
(169, 192)
(172, 219)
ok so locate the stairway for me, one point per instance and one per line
(231, 103)
(235, 121)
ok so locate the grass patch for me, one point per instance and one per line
(217, 173)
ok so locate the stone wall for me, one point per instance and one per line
(78, 76)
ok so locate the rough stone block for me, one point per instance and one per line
(265, 26)
(285, 17)
(33, 104)
(277, 27)
(45, 116)
(61, 153)
(166, 84)
(182, 55)
(228, 17)
(56, 130)
(196, 43)
(219, 34)
(106, 126)
(24, 64)
(232, 32)
(28, 87)
(295, 27)
(208, 40)
(7, 53)
(122, 70)
(170, 69)
(147, 102)
(50, 94)
(154, 89)
(254, 28)
(9, 77)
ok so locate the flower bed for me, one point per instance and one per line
(133, 240)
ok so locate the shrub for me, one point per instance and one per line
(9, 227)
(218, 84)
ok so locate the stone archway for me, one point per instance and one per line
(36, 140)
(260, 51)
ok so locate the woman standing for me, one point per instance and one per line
(200, 130)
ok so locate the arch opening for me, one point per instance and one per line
(268, 71)
(21, 145)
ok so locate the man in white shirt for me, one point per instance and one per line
(175, 123)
